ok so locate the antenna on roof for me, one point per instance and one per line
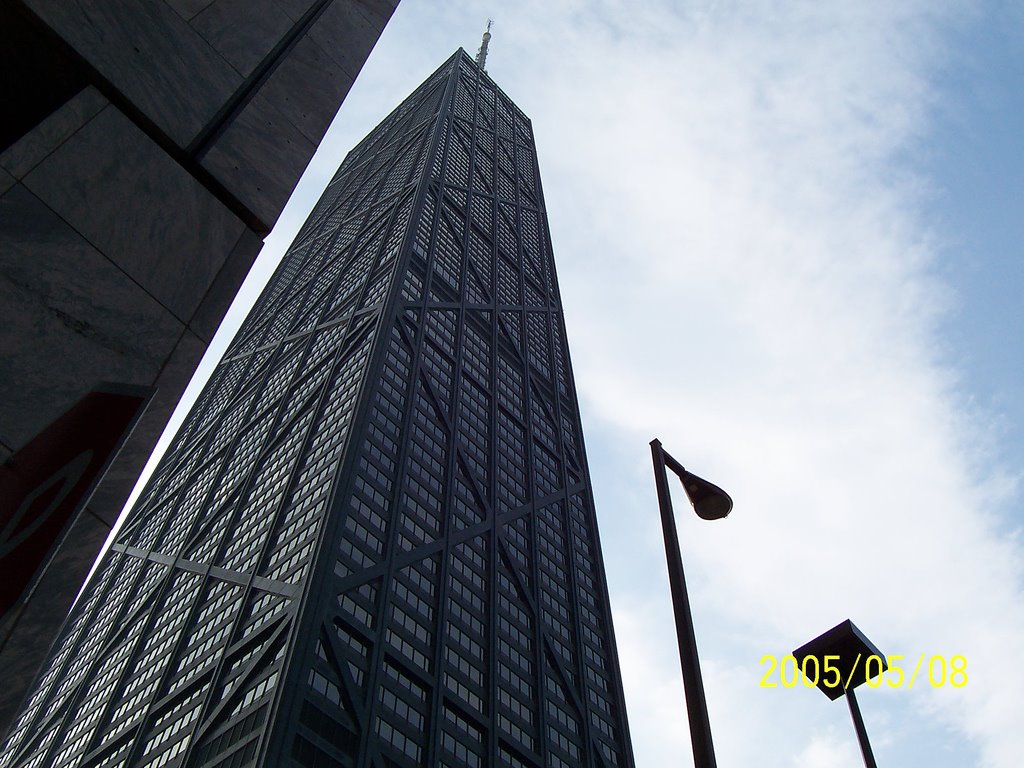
(481, 55)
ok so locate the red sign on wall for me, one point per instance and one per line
(45, 484)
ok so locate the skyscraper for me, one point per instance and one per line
(372, 542)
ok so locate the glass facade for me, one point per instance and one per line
(373, 541)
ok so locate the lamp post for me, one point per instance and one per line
(850, 650)
(710, 503)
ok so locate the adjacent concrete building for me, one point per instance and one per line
(145, 150)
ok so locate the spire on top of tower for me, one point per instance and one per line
(481, 55)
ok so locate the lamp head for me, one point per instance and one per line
(709, 501)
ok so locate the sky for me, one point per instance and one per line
(788, 241)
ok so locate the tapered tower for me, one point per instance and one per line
(372, 543)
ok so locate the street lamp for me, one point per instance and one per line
(851, 650)
(710, 503)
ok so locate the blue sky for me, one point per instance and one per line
(788, 240)
(975, 159)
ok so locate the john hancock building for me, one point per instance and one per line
(372, 543)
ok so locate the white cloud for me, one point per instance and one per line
(828, 751)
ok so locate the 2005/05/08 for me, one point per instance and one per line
(811, 669)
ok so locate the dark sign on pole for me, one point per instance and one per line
(47, 483)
